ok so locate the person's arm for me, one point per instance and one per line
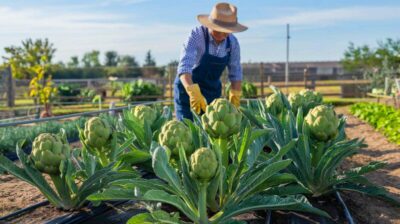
(188, 58)
(186, 64)
(236, 85)
(186, 79)
(235, 74)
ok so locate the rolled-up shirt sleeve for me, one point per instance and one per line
(188, 54)
(235, 72)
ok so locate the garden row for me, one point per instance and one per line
(274, 155)
(138, 90)
(9, 136)
(382, 117)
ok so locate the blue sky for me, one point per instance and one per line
(320, 30)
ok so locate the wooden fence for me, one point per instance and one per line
(347, 85)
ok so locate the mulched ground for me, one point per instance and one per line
(15, 194)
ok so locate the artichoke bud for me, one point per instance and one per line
(221, 119)
(203, 164)
(143, 112)
(48, 150)
(322, 123)
(97, 133)
(274, 104)
(311, 96)
(175, 134)
(296, 101)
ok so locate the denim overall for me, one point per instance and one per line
(207, 75)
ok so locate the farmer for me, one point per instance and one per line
(208, 50)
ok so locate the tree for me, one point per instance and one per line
(173, 63)
(127, 61)
(23, 58)
(42, 89)
(111, 58)
(74, 62)
(149, 60)
(365, 58)
(91, 59)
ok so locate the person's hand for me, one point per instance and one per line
(234, 97)
(197, 101)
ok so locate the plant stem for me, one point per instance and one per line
(103, 159)
(203, 203)
(63, 191)
(223, 146)
(223, 161)
(318, 151)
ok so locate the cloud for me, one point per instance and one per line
(323, 17)
(74, 33)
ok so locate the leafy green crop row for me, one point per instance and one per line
(9, 136)
(384, 118)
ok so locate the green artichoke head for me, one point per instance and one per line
(143, 112)
(203, 164)
(48, 150)
(296, 101)
(97, 132)
(311, 96)
(175, 134)
(274, 103)
(322, 123)
(221, 119)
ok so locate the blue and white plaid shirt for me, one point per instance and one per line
(194, 48)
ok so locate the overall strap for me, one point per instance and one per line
(206, 40)
(228, 46)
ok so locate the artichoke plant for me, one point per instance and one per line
(311, 99)
(97, 132)
(144, 113)
(51, 155)
(305, 99)
(203, 164)
(48, 150)
(99, 139)
(175, 134)
(311, 96)
(221, 119)
(322, 123)
(274, 103)
(296, 100)
(315, 162)
(190, 189)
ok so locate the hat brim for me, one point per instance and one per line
(203, 19)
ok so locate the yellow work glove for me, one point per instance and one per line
(197, 100)
(234, 97)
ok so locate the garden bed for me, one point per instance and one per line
(15, 194)
(367, 209)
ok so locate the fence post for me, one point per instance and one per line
(305, 74)
(171, 89)
(262, 78)
(9, 83)
(112, 106)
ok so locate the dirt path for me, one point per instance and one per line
(364, 208)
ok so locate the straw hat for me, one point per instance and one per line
(223, 18)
